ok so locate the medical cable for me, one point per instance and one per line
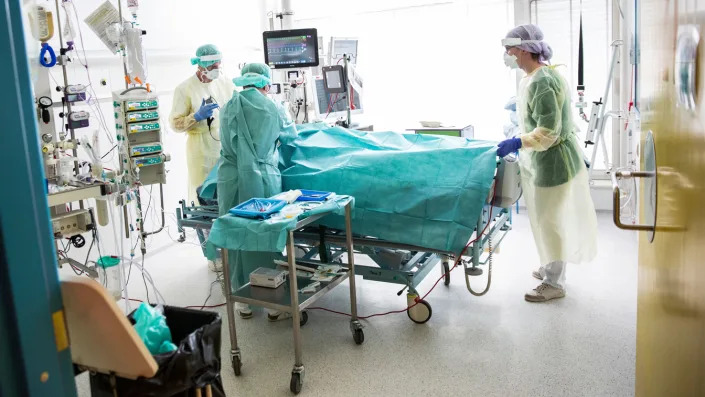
(122, 267)
(159, 296)
(218, 279)
(489, 270)
(331, 102)
(108, 152)
(418, 299)
(146, 289)
(211, 133)
(188, 307)
(90, 248)
(84, 63)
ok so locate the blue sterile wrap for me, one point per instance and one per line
(151, 327)
(421, 190)
(268, 235)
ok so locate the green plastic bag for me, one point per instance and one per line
(150, 325)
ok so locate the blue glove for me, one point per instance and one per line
(205, 111)
(507, 146)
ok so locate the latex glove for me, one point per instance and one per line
(508, 146)
(205, 111)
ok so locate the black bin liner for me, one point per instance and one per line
(195, 364)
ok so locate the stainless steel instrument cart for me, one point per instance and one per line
(288, 298)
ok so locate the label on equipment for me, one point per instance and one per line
(142, 127)
(75, 89)
(142, 116)
(78, 116)
(142, 150)
(146, 161)
(142, 105)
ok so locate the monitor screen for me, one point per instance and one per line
(340, 46)
(291, 48)
(339, 100)
(333, 79)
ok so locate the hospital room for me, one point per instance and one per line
(352, 198)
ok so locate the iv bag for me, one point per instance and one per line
(42, 23)
(136, 57)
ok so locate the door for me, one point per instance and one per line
(671, 294)
(35, 359)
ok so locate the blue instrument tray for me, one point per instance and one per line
(313, 195)
(258, 208)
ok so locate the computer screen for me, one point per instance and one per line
(340, 46)
(291, 48)
(334, 79)
(339, 100)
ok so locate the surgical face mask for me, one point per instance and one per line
(511, 61)
(212, 74)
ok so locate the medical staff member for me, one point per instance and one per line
(553, 175)
(252, 128)
(194, 111)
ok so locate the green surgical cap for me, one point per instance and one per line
(206, 51)
(256, 74)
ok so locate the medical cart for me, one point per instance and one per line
(288, 298)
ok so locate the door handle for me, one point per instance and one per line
(616, 205)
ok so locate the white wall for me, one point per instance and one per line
(425, 60)
(560, 22)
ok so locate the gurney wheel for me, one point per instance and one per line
(446, 274)
(237, 365)
(358, 336)
(296, 383)
(420, 313)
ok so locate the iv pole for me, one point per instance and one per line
(599, 116)
(143, 234)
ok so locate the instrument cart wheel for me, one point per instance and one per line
(446, 274)
(237, 365)
(358, 336)
(303, 318)
(420, 313)
(296, 383)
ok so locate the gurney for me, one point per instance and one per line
(419, 201)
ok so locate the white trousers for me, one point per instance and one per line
(554, 274)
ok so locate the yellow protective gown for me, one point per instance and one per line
(553, 175)
(202, 144)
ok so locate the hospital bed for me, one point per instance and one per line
(398, 262)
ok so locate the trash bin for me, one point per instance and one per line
(194, 365)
